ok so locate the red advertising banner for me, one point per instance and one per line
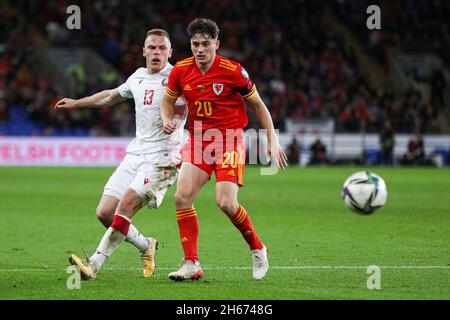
(26, 151)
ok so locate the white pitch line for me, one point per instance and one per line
(245, 268)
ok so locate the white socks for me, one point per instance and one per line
(137, 239)
(108, 244)
(112, 239)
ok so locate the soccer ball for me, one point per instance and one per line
(364, 192)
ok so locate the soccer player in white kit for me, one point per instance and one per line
(150, 165)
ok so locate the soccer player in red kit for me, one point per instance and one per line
(215, 89)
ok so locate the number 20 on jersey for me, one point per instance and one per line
(204, 108)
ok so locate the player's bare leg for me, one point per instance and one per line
(226, 199)
(106, 209)
(105, 214)
(128, 206)
(119, 230)
(190, 180)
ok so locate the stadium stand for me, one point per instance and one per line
(304, 68)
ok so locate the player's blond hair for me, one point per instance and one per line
(158, 32)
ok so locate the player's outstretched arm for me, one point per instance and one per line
(100, 99)
(167, 110)
(265, 120)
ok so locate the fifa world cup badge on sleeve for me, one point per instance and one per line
(244, 73)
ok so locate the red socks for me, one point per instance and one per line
(242, 222)
(121, 224)
(188, 226)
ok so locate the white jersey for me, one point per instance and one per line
(147, 89)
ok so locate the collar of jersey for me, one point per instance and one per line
(216, 61)
(168, 65)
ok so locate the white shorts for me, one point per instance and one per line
(139, 173)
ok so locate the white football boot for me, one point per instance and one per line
(260, 263)
(188, 270)
(87, 270)
(148, 258)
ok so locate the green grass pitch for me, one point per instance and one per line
(318, 248)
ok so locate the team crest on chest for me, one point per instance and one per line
(164, 82)
(217, 88)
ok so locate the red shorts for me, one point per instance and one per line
(225, 158)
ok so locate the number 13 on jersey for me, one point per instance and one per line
(204, 108)
(148, 97)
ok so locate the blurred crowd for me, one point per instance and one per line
(410, 24)
(303, 69)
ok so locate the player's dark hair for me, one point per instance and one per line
(158, 32)
(203, 26)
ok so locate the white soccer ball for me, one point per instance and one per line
(364, 192)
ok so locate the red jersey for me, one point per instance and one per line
(215, 98)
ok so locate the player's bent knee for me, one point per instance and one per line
(182, 200)
(229, 206)
(105, 216)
